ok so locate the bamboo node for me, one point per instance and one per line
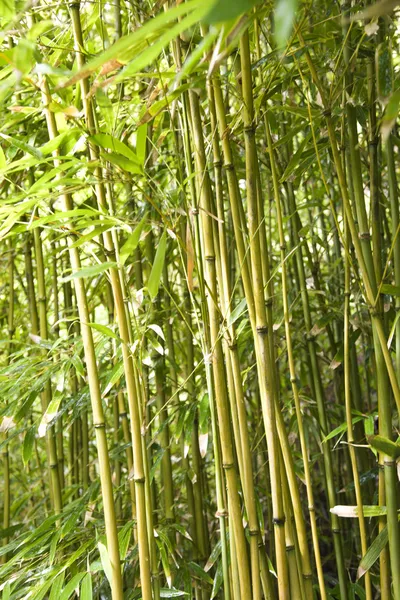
(253, 531)
(232, 346)
(250, 130)
(228, 465)
(208, 359)
(278, 522)
(373, 143)
(336, 531)
(222, 513)
(195, 211)
(327, 113)
(307, 575)
(217, 164)
(99, 425)
(139, 479)
(54, 466)
(262, 329)
(268, 302)
(289, 548)
(365, 235)
(228, 167)
(389, 463)
(110, 253)
(210, 258)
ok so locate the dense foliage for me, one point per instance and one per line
(200, 295)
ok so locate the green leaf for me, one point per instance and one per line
(141, 142)
(56, 587)
(13, 141)
(199, 572)
(86, 588)
(6, 591)
(128, 45)
(106, 108)
(115, 376)
(7, 9)
(71, 586)
(3, 161)
(124, 537)
(109, 142)
(285, 11)
(226, 10)
(167, 593)
(156, 271)
(217, 580)
(384, 445)
(384, 71)
(29, 442)
(390, 115)
(150, 53)
(132, 241)
(373, 552)
(125, 163)
(237, 312)
(105, 561)
(338, 358)
(104, 330)
(340, 429)
(91, 271)
(390, 290)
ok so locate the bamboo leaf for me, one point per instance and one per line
(71, 586)
(109, 142)
(105, 561)
(21, 145)
(217, 580)
(104, 330)
(127, 46)
(7, 9)
(57, 586)
(351, 512)
(131, 243)
(224, 10)
(373, 552)
(340, 429)
(6, 591)
(91, 271)
(285, 11)
(29, 442)
(156, 271)
(86, 588)
(391, 290)
(141, 142)
(384, 445)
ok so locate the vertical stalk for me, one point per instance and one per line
(133, 394)
(93, 377)
(266, 377)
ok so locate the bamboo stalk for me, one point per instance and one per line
(133, 396)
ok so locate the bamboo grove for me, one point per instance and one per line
(199, 300)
